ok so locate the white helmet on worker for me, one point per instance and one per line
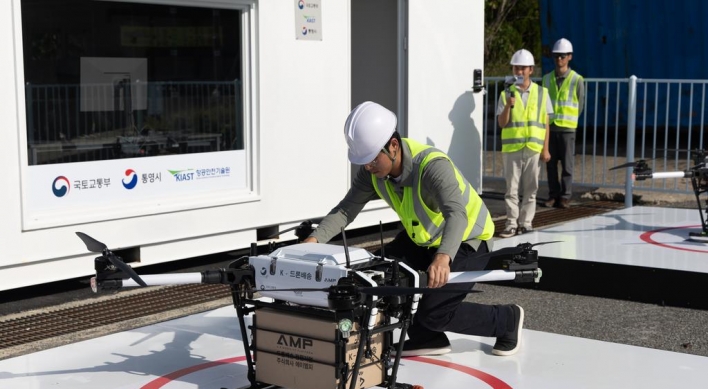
(367, 130)
(522, 57)
(563, 46)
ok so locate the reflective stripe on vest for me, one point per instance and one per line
(527, 125)
(423, 225)
(566, 105)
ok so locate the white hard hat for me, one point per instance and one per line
(367, 130)
(562, 45)
(522, 58)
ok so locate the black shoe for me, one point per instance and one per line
(437, 346)
(509, 343)
(524, 230)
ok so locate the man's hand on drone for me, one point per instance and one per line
(439, 271)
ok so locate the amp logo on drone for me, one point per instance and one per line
(294, 341)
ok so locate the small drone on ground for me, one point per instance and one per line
(698, 173)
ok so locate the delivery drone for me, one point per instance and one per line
(698, 174)
(325, 314)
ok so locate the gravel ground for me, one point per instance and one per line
(665, 328)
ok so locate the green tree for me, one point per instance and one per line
(510, 25)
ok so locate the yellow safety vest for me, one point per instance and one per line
(527, 125)
(423, 225)
(566, 106)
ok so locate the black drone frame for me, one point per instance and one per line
(698, 173)
(346, 300)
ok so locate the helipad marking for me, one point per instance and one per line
(166, 379)
(647, 237)
(488, 379)
(492, 381)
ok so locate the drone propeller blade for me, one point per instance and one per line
(542, 243)
(515, 250)
(95, 246)
(630, 164)
(306, 223)
(281, 232)
(117, 262)
(92, 244)
(506, 251)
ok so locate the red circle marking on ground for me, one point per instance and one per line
(647, 238)
(166, 379)
(488, 379)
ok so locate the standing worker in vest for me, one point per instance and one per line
(447, 227)
(567, 91)
(522, 113)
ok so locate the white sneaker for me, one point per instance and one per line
(508, 232)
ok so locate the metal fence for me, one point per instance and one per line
(70, 122)
(657, 120)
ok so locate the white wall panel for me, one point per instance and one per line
(445, 45)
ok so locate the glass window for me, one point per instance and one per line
(107, 80)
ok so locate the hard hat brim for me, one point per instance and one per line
(361, 160)
(364, 159)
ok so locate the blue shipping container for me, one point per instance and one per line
(649, 39)
(620, 38)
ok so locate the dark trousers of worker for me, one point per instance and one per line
(448, 312)
(561, 146)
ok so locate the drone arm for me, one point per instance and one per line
(495, 275)
(480, 276)
(222, 276)
(166, 279)
(662, 175)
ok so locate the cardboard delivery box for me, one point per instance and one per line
(317, 350)
(302, 352)
(295, 373)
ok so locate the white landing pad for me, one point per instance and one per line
(637, 236)
(203, 351)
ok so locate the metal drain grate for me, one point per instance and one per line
(27, 329)
(544, 218)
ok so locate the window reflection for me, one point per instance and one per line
(107, 80)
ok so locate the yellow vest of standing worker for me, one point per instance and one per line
(566, 106)
(423, 225)
(527, 124)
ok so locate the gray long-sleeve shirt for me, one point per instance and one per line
(440, 192)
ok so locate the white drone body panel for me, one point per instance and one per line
(304, 265)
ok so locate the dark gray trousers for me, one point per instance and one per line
(561, 145)
(448, 312)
